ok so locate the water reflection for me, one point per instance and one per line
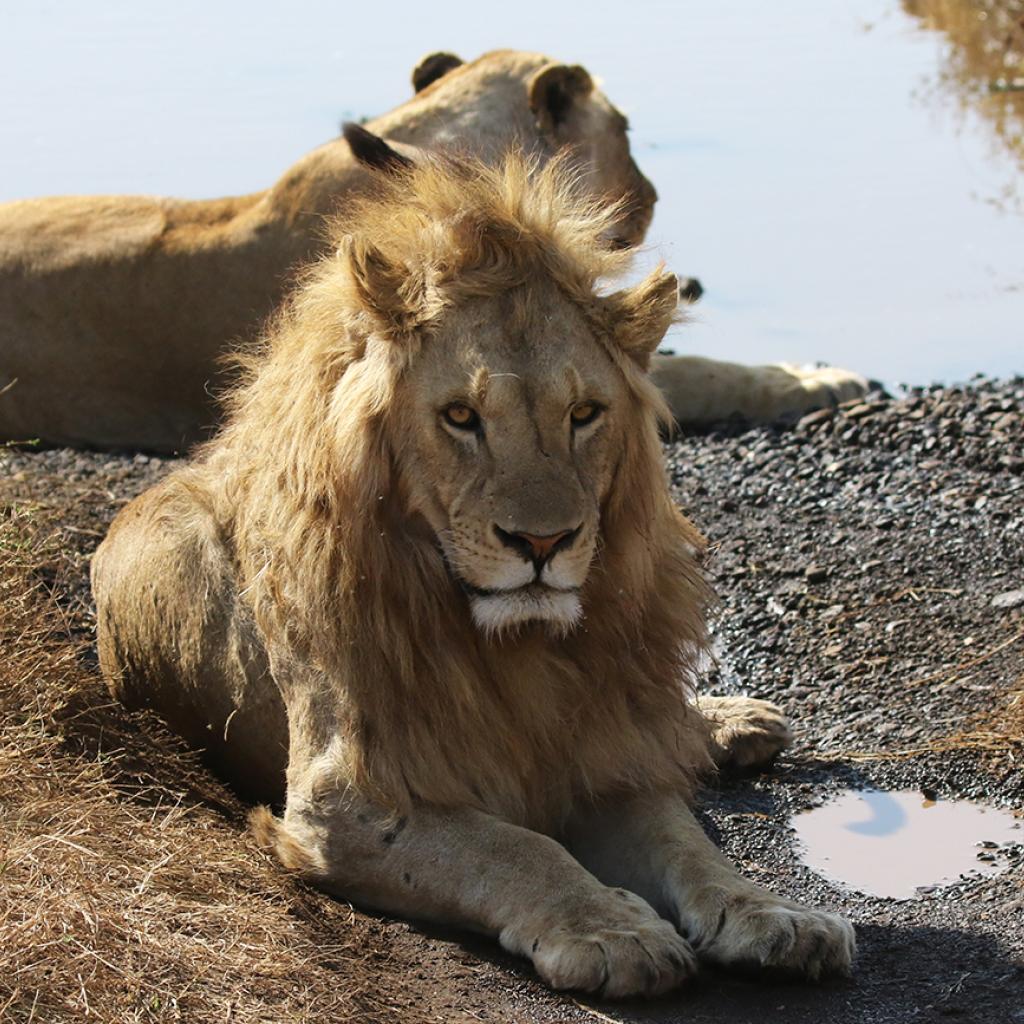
(887, 816)
(983, 69)
(900, 843)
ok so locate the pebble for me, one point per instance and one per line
(859, 412)
(815, 419)
(1009, 599)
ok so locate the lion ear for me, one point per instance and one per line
(554, 90)
(640, 316)
(382, 287)
(433, 67)
(372, 151)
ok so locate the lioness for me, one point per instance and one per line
(115, 310)
(432, 560)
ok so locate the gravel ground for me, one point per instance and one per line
(870, 563)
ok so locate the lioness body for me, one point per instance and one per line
(115, 311)
(436, 532)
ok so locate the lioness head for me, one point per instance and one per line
(520, 387)
(544, 107)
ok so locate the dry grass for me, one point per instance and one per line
(998, 731)
(129, 891)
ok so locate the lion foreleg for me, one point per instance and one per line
(655, 847)
(463, 867)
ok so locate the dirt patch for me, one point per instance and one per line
(859, 555)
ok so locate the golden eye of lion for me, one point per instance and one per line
(584, 413)
(461, 416)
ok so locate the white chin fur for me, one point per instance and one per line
(498, 613)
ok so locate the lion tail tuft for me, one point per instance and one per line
(272, 836)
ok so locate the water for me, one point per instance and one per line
(842, 180)
(896, 844)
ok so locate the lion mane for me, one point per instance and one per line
(339, 576)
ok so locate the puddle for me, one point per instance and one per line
(899, 844)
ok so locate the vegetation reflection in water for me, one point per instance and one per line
(983, 71)
(896, 844)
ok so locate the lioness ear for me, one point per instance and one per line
(372, 151)
(383, 289)
(640, 316)
(433, 67)
(554, 89)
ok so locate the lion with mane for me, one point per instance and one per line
(431, 577)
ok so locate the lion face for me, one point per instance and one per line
(507, 451)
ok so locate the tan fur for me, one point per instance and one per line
(746, 732)
(337, 542)
(703, 391)
(272, 838)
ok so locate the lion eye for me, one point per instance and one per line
(584, 413)
(461, 416)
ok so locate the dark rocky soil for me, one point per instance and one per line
(870, 563)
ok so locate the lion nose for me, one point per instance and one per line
(535, 547)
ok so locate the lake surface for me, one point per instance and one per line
(845, 182)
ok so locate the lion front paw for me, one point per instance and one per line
(763, 931)
(619, 947)
(746, 733)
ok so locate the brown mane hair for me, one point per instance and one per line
(347, 583)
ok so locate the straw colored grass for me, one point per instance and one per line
(128, 890)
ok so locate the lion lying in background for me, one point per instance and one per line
(115, 310)
(433, 561)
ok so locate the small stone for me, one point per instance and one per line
(1008, 599)
(858, 412)
(815, 574)
(815, 419)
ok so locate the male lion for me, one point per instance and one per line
(432, 560)
(115, 310)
